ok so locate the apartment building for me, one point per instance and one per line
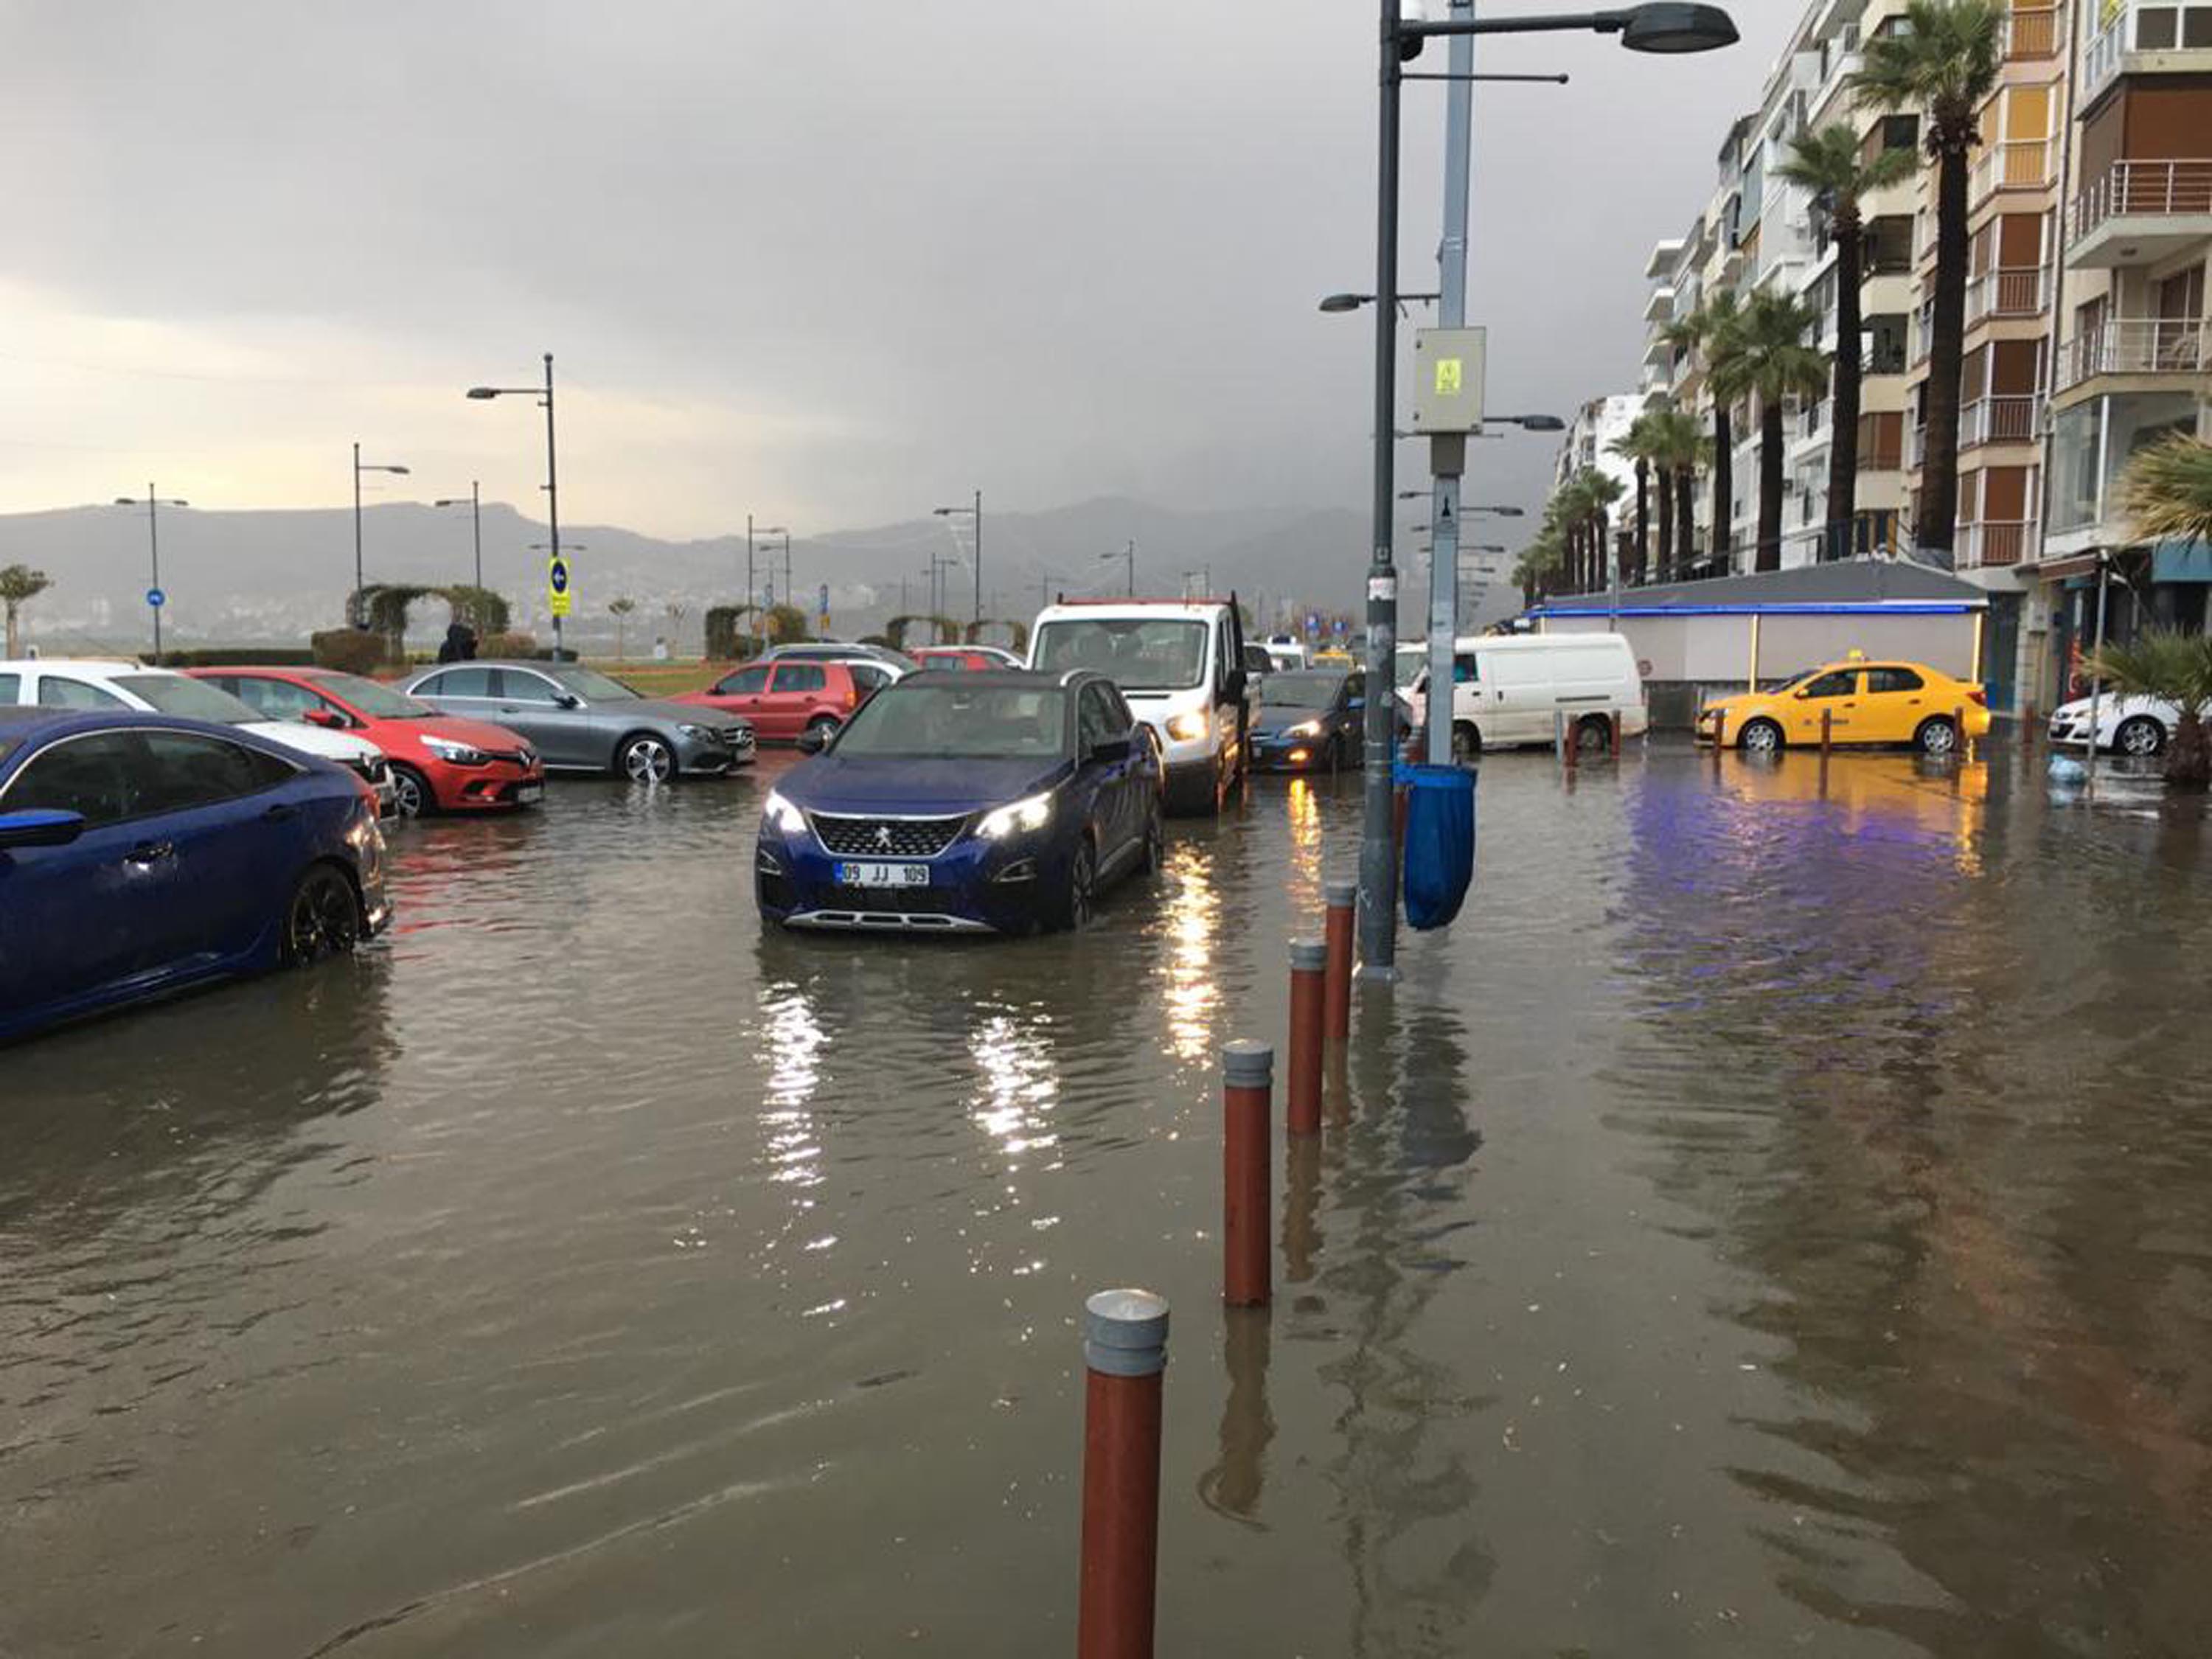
(2090, 222)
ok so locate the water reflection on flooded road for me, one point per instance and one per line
(1776, 1218)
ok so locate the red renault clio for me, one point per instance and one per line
(439, 762)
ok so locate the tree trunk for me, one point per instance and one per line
(1723, 489)
(1666, 523)
(1769, 557)
(1686, 511)
(13, 653)
(2189, 757)
(1937, 528)
(1843, 438)
(1643, 517)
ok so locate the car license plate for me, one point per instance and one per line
(884, 875)
(526, 793)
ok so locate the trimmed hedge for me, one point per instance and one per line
(238, 656)
(349, 650)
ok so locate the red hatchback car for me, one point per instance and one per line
(439, 762)
(965, 658)
(783, 699)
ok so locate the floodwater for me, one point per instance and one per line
(1776, 1218)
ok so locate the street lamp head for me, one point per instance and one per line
(1665, 26)
(481, 392)
(128, 501)
(1336, 302)
(1499, 511)
(451, 501)
(1531, 422)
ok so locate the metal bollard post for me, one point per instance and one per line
(1827, 731)
(1614, 725)
(1570, 741)
(1308, 970)
(1341, 898)
(1248, 1083)
(1959, 733)
(2028, 722)
(1125, 1350)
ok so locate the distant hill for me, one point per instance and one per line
(267, 577)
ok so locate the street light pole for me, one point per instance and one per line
(1448, 452)
(1378, 864)
(483, 393)
(975, 512)
(475, 504)
(153, 554)
(359, 614)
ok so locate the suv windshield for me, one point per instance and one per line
(174, 694)
(378, 702)
(1304, 691)
(1137, 654)
(589, 683)
(949, 720)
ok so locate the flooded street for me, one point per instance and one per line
(1778, 1219)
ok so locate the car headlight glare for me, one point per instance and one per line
(1033, 813)
(782, 814)
(1304, 729)
(459, 754)
(1186, 727)
(700, 734)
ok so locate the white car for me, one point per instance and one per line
(1181, 664)
(88, 682)
(2125, 726)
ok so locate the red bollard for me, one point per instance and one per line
(2027, 720)
(1342, 898)
(1570, 741)
(1613, 725)
(1827, 730)
(1125, 1350)
(1959, 741)
(1247, 1085)
(1309, 971)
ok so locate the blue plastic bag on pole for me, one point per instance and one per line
(1439, 842)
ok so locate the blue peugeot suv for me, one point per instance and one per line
(990, 802)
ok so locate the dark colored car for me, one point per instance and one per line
(142, 854)
(1310, 721)
(964, 802)
(439, 762)
(580, 721)
(788, 695)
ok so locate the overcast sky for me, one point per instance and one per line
(831, 263)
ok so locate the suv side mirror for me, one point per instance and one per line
(1233, 685)
(328, 719)
(568, 700)
(1107, 751)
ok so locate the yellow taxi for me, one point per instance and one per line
(1335, 657)
(1865, 702)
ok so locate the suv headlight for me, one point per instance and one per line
(1000, 822)
(782, 814)
(1304, 729)
(461, 754)
(1183, 728)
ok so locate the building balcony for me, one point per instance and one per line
(2000, 420)
(1659, 306)
(2031, 32)
(2013, 164)
(2145, 37)
(1996, 542)
(2136, 346)
(2007, 291)
(2140, 212)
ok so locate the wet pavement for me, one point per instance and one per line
(1777, 1219)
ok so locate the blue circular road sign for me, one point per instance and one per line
(156, 598)
(557, 576)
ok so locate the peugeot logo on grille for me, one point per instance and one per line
(882, 834)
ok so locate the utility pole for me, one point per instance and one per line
(1130, 553)
(1448, 452)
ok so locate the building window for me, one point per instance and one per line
(2185, 23)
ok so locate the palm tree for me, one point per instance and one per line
(2167, 491)
(1636, 447)
(1705, 331)
(19, 586)
(1679, 448)
(2175, 668)
(620, 610)
(1765, 356)
(1599, 491)
(1941, 64)
(1830, 163)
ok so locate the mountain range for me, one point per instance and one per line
(272, 577)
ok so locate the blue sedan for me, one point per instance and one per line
(140, 855)
(1310, 720)
(980, 802)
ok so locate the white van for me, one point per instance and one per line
(1512, 688)
(1181, 664)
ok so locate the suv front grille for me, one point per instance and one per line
(897, 838)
